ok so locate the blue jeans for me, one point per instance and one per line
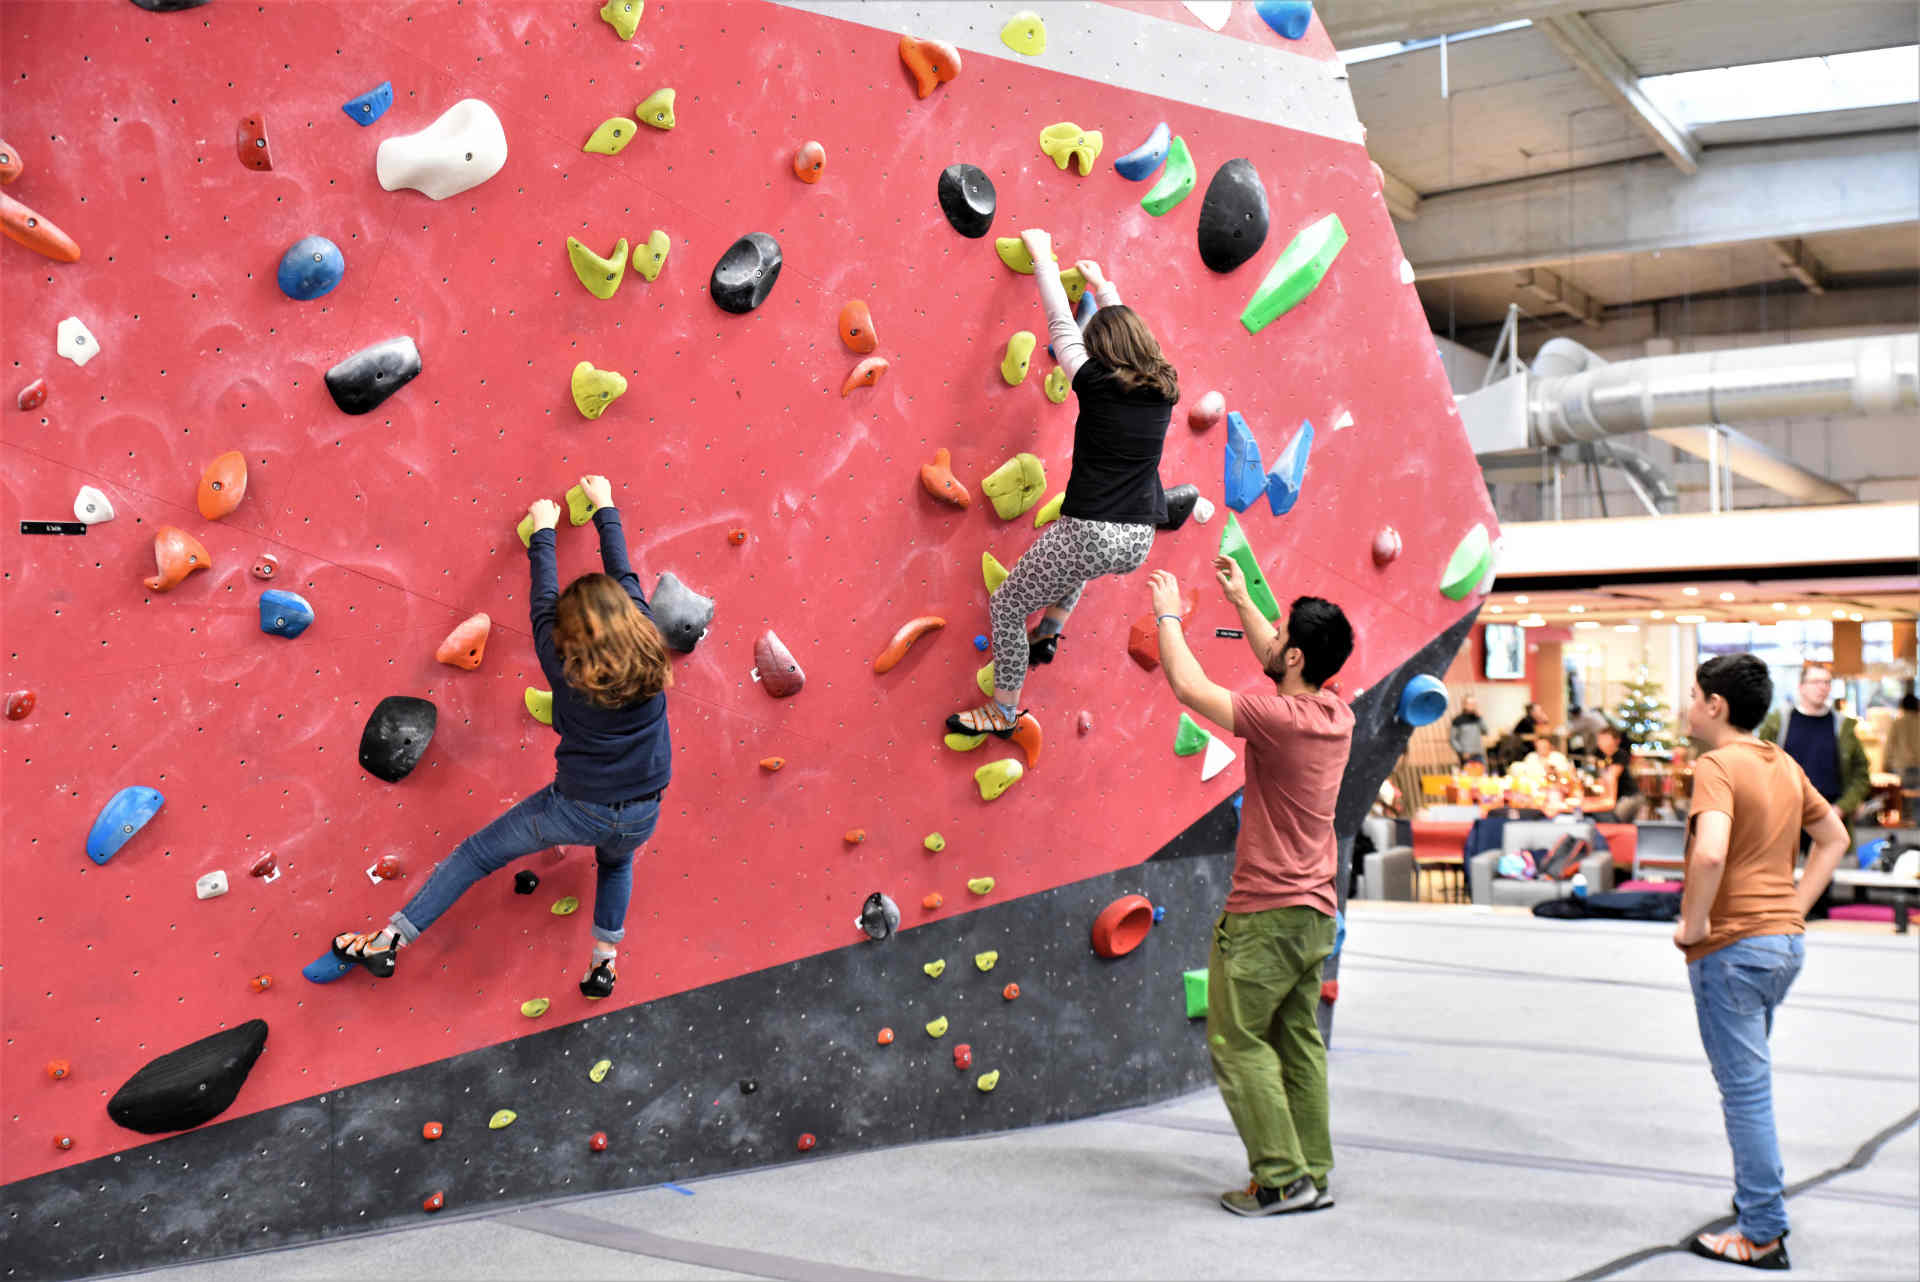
(1735, 991)
(544, 819)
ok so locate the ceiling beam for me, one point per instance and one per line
(1403, 202)
(1588, 50)
(1696, 543)
(1548, 289)
(1759, 463)
(1799, 262)
(1352, 23)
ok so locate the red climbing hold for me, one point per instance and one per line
(1143, 639)
(1386, 546)
(1011, 992)
(260, 983)
(1085, 722)
(1329, 991)
(32, 395)
(177, 554)
(434, 1202)
(250, 141)
(432, 1131)
(36, 232)
(58, 1069)
(20, 703)
(388, 868)
(932, 62)
(466, 645)
(10, 166)
(865, 374)
(736, 537)
(262, 867)
(780, 675)
(809, 161)
(886, 1037)
(63, 1141)
(856, 326)
(963, 1057)
(266, 566)
(597, 1141)
(223, 485)
(1207, 411)
(807, 1141)
(1121, 925)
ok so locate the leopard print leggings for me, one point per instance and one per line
(1068, 554)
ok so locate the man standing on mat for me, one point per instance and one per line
(1263, 978)
(1743, 929)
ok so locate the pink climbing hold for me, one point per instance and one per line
(780, 676)
(1207, 411)
(1386, 546)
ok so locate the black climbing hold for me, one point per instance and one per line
(967, 199)
(681, 614)
(744, 276)
(748, 1086)
(1233, 217)
(397, 736)
(169, 6)
(879, 916)
(189, 1086)
(1180, 503)
(526, 881)
(372, 374)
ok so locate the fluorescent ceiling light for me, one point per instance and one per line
(1495, 609)
(1857, 618)
(1519, 600)
(1689, 591)
(1780, 606)
(1586, 623)
(1726, 596)
(1658, 614)
(1368, 53)
(1789, 87)
(1805, 609)
(1576, 609)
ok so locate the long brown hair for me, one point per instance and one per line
(1120, 340)
(611, 653)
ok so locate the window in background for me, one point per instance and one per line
(1506, 652)
(1783, 647)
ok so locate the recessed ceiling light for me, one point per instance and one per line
(1576, 609)
(1857, 618)
(1839, 614)
(1658, 614)
(1780, 606)
(1689, 591)
(1689, 618)
(1805, 609)
(1726, 596)
(1586, 623)
(1495, 609)
(1626, 627)
(1519, 600)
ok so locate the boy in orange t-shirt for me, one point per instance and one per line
(1742, 928)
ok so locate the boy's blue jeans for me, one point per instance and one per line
(1735, 991)
(544, 819)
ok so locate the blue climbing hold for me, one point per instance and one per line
(1088, 306)
(1423, 701)
(311, 267)
(1139, 164)
(1159, 913)
(371, 105)
(1246, 478)
(1283, 482)
(1288, 17)
(284, 614)
(326, 968)
(124, 815)
(981, 643)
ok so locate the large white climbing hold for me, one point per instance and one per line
(1203, 509)
(462, 149)
(1219, 757)
(1212, 12)
(211, 886)
(75, 341)
(1406, 272)
(91, 506)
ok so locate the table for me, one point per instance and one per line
(1905, 890)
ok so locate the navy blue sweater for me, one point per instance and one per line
(605, 754)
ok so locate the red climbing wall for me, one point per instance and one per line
(398, 524)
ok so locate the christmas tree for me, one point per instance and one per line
(1642, 714)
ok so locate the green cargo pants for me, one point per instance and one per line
(1263, 986)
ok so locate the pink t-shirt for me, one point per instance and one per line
(1297, 749)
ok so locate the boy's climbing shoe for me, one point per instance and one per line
(985, 719)
(365, 948)
(1735, 1249)
(599, 981)
(1040, 648)
(1258, 1199)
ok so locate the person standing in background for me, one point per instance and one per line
(1467, 734)
(1903, 744)
(1826, 743)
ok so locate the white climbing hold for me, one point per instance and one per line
(1203, 509)
(91, 506)
(1406, 272)
(75, 341)
(1212, 12)
(211, 886)
(1485, 585)
(1219, 757)
(462, 149)
(1345, 420)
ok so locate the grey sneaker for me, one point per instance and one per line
(1258, 1199)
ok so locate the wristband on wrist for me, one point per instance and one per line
(1162, 618)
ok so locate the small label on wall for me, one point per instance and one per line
(53, 527)
(1235, 633)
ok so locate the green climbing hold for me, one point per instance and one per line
(934, 841)
(1468, 564)
(935, 969)
(600, 275)
(565, 907)
(651, 254)
(1296, 273)
(996, 777)
(1175, 183)
(600, 1070)
(657, 109)
(502, 1118)
(1025, 34)
(986, 961)
(1016, 485)
(540, 705)
(594, 390)
(534, 1008)
(612, 137)
(1013, 366)
(992, 571)
(525, 531)
(984, 885)
(580, 508)
(1057, 385)
(937, 1027)
(1189, 738)
(968, 742)
(1233, 543)
(1195, 982)
(1049, 511)
(623, 16)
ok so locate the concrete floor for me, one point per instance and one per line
(1513, 1098)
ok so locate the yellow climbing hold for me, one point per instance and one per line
(651, 255)
(540, 705)
(1057, 385)
(657, 109)
(992, 571)
(580, 508)
(612, 137)
(967, 742)
(1074, 283)
(535, 1008)
(938, 1027)
(593, 390)
(1025, 34)
(934, 841)
(984, 679)
(502, 1118)
(525, 530)
(623, 16)
(600, 1070)
(935, 969)
(600, 275)
(996, 777)
(1049, 511)
(987, 1081)
(1015, 486)
(1067, 141)
(984, 885)
(1013, 366)
(565, 907)
(986, 961)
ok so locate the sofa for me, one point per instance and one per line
(1485, 888)
(1388, 874)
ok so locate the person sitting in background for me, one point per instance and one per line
(1531, 724)
(1619, 790)
(1582, 725)
(1467, 734)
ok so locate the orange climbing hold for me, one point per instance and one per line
(854, 836)
(865, 374)
(466, 645)
(937, 479)
(736, 537)
(773, 764)
(10, 165)
(856, 326)
(223, 485)
(932, 62)
(932, 901)
(886, 1037)
(35, 232)
(432, 1131)
(58, 1069)
(1011, 992)
(1026, 733)
(434, 1201)
(177, 554)
(910, 631)
(809, 161)
(260, 983)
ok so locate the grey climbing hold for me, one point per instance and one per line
(967, 199)
(192, 1085)
(371, 105)
(310, 268)
(879, 916)
(745, 274)
(1233, 216)
(1180, 504)
(396, 736)
(362, 381)
(681, 614)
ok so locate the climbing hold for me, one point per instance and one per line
(1329, 991)
(931, 62)
(580, 508)
(1219, 757)
(682, 615)
(1026, 734)
(773, 764)
(597, 1141)
(566, 906)
(250, 142)
(656, 109)
(1143, 638)
(1025, 34)
(1233, 543)
(223, 485)
(310, 268)
(1194, 983)
(1121, 925)
(612, 136)
(1015, 486)
(58, 1069)
(980, 885)
(539, 705)
(1181, 500)
(1233, 216)
(1013, 367)
(32, 395)
(1343, 419)
(996, 777)
(856, 326)
(434, 1201)
(260, 983)
(194, 1084)
(865, 374)
(502, 1118)
(980, 642)
(1295, 274)
(1013, 252)
(984, 679)
(361, 382)
(774, 666)
(937, 1027)
(1139, 164)
(1289, 472)
(935, 969)
(1084, 312)
(211, 886)
(937, 479)
(20, 703)
(806, 1141)
(1084, 722)
(1067, 141)
(386, 868)
(884, 1037)
(466, 645)
(1175, 185)
(396, 736)
(1189, 738)
(987, 1081)
(986, 961)
(263, 867)
(600, 1069)
(1423, 700)
(371, 105)
(284, 614)
(736, 537)
(535, 1007)
(526, 881)
(595, 389)
(650, 255)
(177, 554)
(10, 166)
(63, 1142)
(854, 836)
(1246, 476)
(809, 161)
(1288, 17)
(73, 340)
(1207, 411)
(462, 149)
(934, 841)
(909, 632)
(963, 1056)
(745, 274)
(623, 16)
(601, 276)
(967, 199)
(932, 900)
(326, 969)
(36, 232)
(967, 742)
(1386, 546)
(1057, 385)
(1471, 559)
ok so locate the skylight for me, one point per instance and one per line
(1793, 87)
(1367, 53)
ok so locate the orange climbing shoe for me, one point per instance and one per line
(365, 948)
(985, 719)
(1735, 1249)
(599, 981)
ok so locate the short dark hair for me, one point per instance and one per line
(1322, 635)
(1909, 702)
(1609, 728)
(1742, 681)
